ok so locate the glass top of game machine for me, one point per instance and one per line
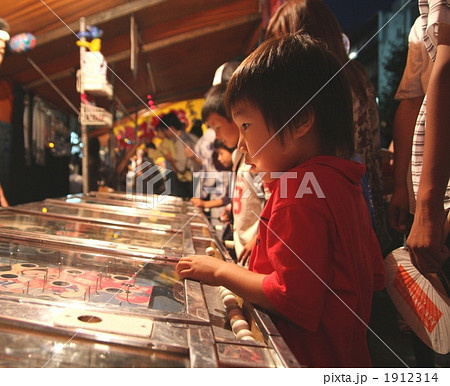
(68, 306)
(143, 218)
(57, 272)
(113, 298)
(103, 210)
(163, 203)
(138, 242)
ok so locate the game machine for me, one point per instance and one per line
(184, 219)
(86, 284)
(169, 206)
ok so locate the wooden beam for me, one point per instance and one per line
(159, 44)
(181, 38)
(102, 17)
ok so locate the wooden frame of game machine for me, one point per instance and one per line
(74, 294)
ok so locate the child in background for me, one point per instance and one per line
(316, 261)
(248, 195)
(224, 155)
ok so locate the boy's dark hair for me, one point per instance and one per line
(215, 102)
(288, 79)
(218, 144)
(169, 120)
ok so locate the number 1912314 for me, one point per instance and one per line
(410, 377)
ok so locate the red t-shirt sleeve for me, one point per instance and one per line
(297, 248)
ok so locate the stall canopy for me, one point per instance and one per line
(178, 45)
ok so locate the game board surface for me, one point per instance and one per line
(50, 274)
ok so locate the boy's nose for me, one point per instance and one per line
(241, 145)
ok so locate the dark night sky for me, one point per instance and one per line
(353, 14)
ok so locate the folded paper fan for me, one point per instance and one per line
(421, 300)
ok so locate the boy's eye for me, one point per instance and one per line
(245, 126)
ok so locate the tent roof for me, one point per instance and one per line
(180, 44)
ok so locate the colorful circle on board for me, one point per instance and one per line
(121, 277)
(36, 272)
(113, 290)
(9, 276)
(74, 272)
(60, 283)
(86, 256)
(29, 265)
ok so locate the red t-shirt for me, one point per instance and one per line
(318, 249)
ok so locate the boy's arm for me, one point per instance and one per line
(212, 271)
(425, 240)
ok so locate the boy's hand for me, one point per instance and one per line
(200, 267)
(212, 271)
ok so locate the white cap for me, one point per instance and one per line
(218, 75)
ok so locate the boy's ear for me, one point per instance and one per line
(304, 125)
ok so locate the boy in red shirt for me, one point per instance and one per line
(317, 260)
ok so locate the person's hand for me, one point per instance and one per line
(398, 210)
(200, 267)
(197, 202)
(225, 216)
(426, 242)
(246, 252)
(189, 153)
